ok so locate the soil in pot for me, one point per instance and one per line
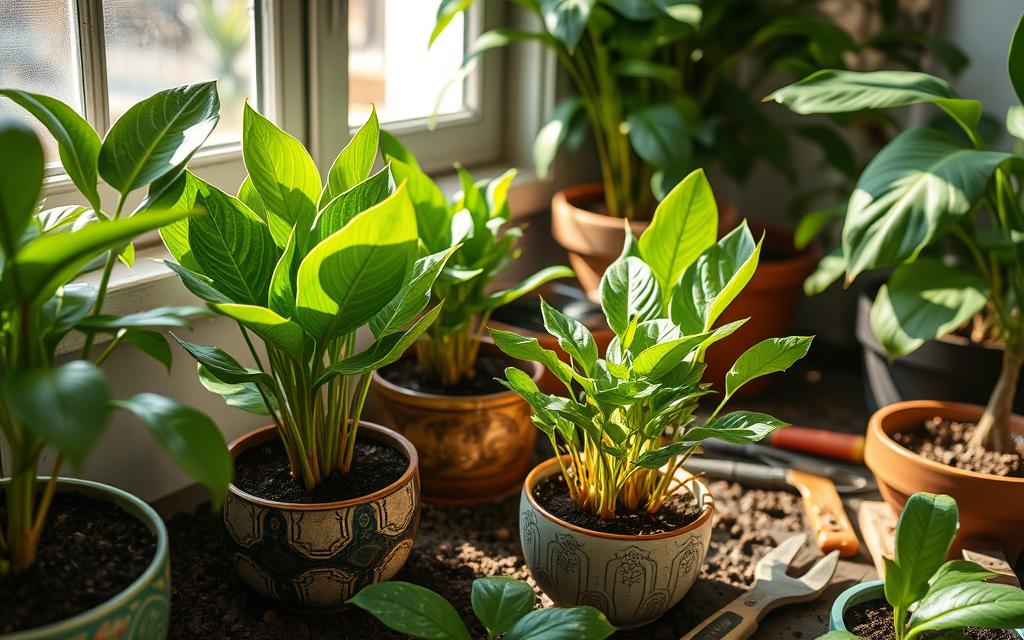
(263, 471)
(945, 441)
(406, 373)
(678, 511)
(90, 551)
(873, 621)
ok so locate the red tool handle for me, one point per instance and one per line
(829, 444)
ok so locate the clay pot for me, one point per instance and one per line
(593, 240)
(143, 609)
(633, 580)
(313, 557)
(472, 448)
(991, 516)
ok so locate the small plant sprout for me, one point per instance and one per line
(626, 424)
(505, 607)
(474, 224)
(929, 594)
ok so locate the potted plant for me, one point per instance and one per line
(474, 437)
(323, 502)
(80, 558)
(945, 214)
(665, 87)
(614, 521)
(504, 606)
(923, 593)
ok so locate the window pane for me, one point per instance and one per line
(159, 44)
(389, 64)
(39, 53)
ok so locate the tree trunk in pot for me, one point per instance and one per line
(993, 430)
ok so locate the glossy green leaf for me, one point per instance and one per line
(221, 365)
(152, 343)
(280, 332)
(336, 213)
(573, 336)
(1015, 62)
(355, 161)
(156, 136)
(281, 296)
(629, 291)
(21, 178)
(413, 297)
(556, 623)
(566, 19)
(157, 316)
(529, 349)
(1015, 121)
(499, 602)
(662, 357)
(924, 535)
(553, 133)
(531, 283)
(659, 135)
(66, 405)
(411, 609)
(433, 220)
(77, 142)
(768, 356)
(446, 12)
(736, 427)
(958, 572)
(190, 437)
(685, 224)
(245, 395)
(199, 285)
(924, 300)
(280, 229)
(830, 268)
(915, 187)
(64, 310)
(182, 195)
(970, 604)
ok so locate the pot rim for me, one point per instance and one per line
(941, 409)
(540, 469)
(569, 197)
(375, 431)
(140, 510)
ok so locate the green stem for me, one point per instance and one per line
(101, 292)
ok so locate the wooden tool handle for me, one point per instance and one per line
(832, 528)
(830, 444)
(734, 621)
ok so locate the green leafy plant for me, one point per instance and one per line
(473, 225)
(66, 404)
(944, 212)
(627, 423)
(503, 605)
(929, 594)
(303, 265)
(666, 86)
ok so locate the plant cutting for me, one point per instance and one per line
(64, 404)
(924, 594)
(504, 606)
(474, 437)
(616, 504)
(944, 212)
(302, 265)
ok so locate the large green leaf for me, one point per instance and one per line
(281, 170)
(685, 224)
(21, 179)
(500, 601)
(659, 135)
(768, 356)
(190, 437)
(958, 572)
(433, 218)
(556, 623)
(244, 395)
(154, 317)
(737, 427)
(281, 297)
(233, 248)
(528, 284)
(529, 349)
(924, 534)
(280, 332)
(411, 609)
(77, 142)
(152, 343)
(155, 136)
(924, 300)
(566, 19)
(629, 292)
(61, 313)
(199, 285)
(412, 297)
(182, 195)
(915, 187)
(355, 161)
(830, 268)
(553, 133)
(346, 279)
(66, 405)
(446, 12)
(336, 213)
(221, 365)
(1015, 62)
(573, 336)
(970, 604)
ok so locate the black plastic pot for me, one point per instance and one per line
(952, 368)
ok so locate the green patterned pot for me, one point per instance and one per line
(140, 612)
(313, 557)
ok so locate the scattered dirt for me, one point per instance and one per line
(873, 621)
(945, 441)
(677, 512)
(264, 472)
(90, 551)
(406, 373)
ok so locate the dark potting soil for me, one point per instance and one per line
(90, 551)
(406, 373)
(677, 512)
(945, 441)
(264, 472)
(873, 621)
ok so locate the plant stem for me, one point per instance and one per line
(993, 430)
(101, 292)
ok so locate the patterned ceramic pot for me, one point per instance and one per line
(315, 556)
(632, 579)
(140, 612)
(472, 448)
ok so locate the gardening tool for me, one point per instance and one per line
(772, 588)
(819, 442)
(819, 485)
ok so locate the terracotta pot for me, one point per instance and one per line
(769, 300)
(142, 611)
(593, 240)
(472, 448)
(632, 579)
(315, 556)
(991, 513)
